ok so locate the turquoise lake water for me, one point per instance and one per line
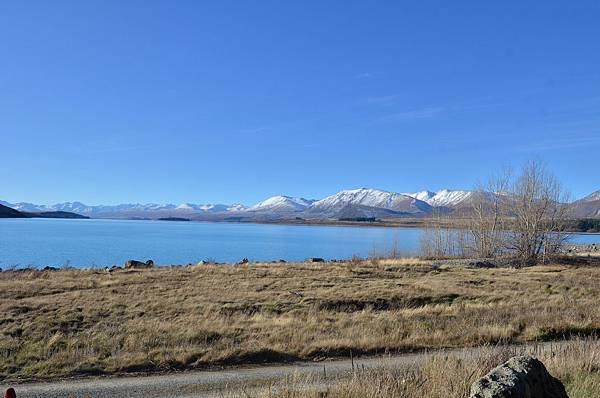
(98, 243)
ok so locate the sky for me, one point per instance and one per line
(109, 102)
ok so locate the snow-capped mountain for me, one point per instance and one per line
(587, 207)
(151, 210)
(80, 208)
(353, 203)
(282, 203)
(219, 208)
(9, 212)
(236, 207)
(27, 207)
(423, 195)
(442, 198)
(592, 197)
(370, 198)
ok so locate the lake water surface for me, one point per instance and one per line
(95, 243)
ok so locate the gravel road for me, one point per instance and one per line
(215, 383)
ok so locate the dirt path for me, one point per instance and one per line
(215, 383)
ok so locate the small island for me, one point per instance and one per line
(174, 219)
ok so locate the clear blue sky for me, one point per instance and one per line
(223, 101)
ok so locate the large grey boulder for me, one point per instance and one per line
(519, 377)
(134, 264)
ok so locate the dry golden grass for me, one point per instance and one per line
(588, 254)
(74, 322)
(442, 376)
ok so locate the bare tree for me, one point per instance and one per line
(487, 224)
(438, 240)
(537, 208)
(522, 217)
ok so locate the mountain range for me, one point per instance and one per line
(9, 212)
(346, 204)
(588, 207)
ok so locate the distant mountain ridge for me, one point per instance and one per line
(444, 197)
(347, 204)
(282, 203)
(587, 207)
(9, 212)
(368, 202)
(83, 209)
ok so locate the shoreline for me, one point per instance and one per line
(575, 257)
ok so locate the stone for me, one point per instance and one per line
(520, 377)
(134, 264)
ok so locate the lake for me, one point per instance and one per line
(98, 243)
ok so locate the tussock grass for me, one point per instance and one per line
(75, 322)
(588, 254)
(577, 364)
(442, 376)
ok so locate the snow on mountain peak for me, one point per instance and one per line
(281, 202)
(422, 195)
(371, 198)
(186, 206)
(447, 197)
(351, 201)
(237, 207)
(443, 197)
(592, 197)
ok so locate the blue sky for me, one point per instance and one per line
(156, 101)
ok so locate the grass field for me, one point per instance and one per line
(576, 363)
(74, 322)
